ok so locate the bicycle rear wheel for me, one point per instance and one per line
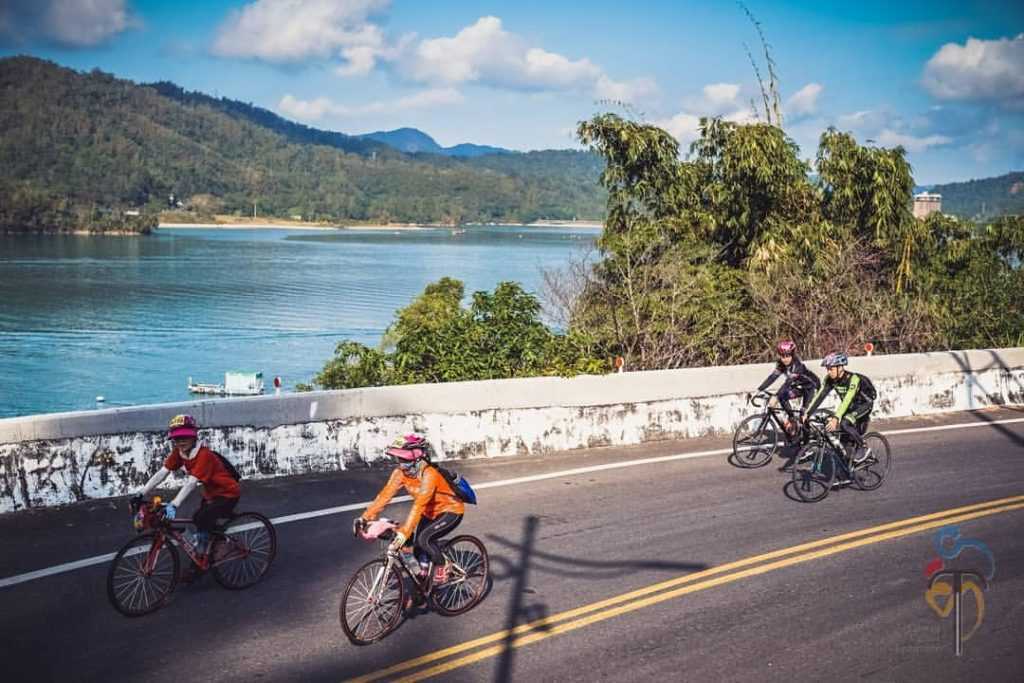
(755, 442)
(869, 473)
(142, 575)
(242, 553)
(468, 570)
(814, 471)
(371, 606)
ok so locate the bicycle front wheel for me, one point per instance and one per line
(872, 470)
(814, 471)
(242, 553)
(371, 606)
(468, 570)
(143, 574)
(755, 442)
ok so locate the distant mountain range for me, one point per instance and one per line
(984, 197)
(93, 140)
(414, 141)
(74, 141)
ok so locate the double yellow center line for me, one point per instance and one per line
(483, 648)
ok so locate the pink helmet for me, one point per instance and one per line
(409, 448)
(182, 425)
(786, 347)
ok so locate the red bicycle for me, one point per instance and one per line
(145, 570)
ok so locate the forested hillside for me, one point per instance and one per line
(985, 197)
(94, 139)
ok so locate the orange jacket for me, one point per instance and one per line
(431, 496)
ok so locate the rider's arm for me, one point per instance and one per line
(851, 393)
(186, 491)
(771, 378)
(385, 496)
(819, 397)
(424, 494)
(154, 481)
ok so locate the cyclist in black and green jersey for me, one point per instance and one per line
(856, 395)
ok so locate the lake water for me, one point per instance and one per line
(132, 318)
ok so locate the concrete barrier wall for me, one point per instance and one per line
(67, 457)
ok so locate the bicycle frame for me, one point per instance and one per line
(834, 450)
(176, 531)
(772, 413)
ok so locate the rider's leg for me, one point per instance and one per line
(787, 391)
(427, 538)
(206, 518)
(854, 423)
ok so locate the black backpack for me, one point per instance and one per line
(867, 388)
(228, 466)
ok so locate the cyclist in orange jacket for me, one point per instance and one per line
(436, 510)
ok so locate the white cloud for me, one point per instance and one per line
(293, 31)
(289, 31)
(73, 23)
(683, 127)
(316, 109)
(805, 100)
(912, 143)
(719, 95)
(868, 119)
(487, 54)
(716, 100)
(978, 70)
(625, 91)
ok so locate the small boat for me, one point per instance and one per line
(235, 384)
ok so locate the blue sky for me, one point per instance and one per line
(943, 79)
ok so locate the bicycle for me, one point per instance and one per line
(373, 603)
(145, 571)
(760, 436)
(825, 457)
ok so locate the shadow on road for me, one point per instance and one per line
(997, 362)
(522, 610)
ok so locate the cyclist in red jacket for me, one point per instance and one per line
(220, 490)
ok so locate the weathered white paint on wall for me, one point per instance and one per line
(55, 459)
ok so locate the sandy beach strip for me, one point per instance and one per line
(394, 226)
(293, 226)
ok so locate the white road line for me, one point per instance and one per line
(297, 517)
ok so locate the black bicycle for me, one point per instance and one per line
(760, 436)
(826, 462)
(374, 600)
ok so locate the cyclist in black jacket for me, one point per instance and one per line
(856, 399)
(799, 381)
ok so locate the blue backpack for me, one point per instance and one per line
(463, 491)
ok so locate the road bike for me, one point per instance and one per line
(374, 601)
(761, 435)
(826, 462)
(145, 570)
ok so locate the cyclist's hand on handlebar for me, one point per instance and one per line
(358, 526)
(398, 541)
(170, 512)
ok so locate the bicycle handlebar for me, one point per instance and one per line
(760, 399)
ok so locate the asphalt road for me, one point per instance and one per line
(844, 609)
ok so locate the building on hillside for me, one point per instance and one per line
(926, 203)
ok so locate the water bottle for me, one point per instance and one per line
(410, 562)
